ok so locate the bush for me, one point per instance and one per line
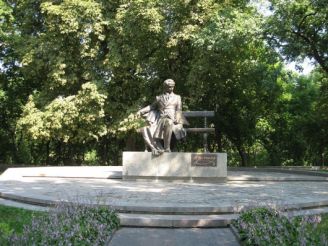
(266, 226)
(68, 224)
(91, 158)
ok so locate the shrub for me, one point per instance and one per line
(69, 224)
(91, 158)
(267, 226)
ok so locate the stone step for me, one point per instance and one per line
(115, 172)
(173, 220)
(307, 212)
(165, 209)
(87, 172)
(194, 221)
(176, 221)
(27, 206)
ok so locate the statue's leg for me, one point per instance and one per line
(158, 144)
(173, 143)
(147, 138)
(168, 128)
(150, 142)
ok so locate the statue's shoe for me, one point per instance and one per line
(157, 152)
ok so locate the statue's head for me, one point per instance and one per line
(169, 85)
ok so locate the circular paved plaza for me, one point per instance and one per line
(285, 190)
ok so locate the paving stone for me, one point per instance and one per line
(172, 204)
(173, 237)
(169, 197)
(176, 221)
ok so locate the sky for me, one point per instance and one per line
(307, 66)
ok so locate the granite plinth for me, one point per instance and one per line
(175, 166)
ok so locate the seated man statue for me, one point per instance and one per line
(164, 117)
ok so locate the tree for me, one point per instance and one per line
(14, 90)
(298, 28)
(234, 72)
(55, 50)
(72, 71)
(316, 131)
(284, 131)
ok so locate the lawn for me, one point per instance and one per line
(67, 224)
(13, 219)
(323, 225)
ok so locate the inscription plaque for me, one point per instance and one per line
(203, 160)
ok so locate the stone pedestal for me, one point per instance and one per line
(175, 166)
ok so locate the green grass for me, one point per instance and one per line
(13, 219)
(70, 224)
(323, 225)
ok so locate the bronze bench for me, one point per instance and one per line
(205, 130)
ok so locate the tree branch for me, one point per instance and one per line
(303, 19)
(315, 53)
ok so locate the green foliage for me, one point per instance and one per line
(73, 74)
(14, 220)
(66, 224)
(90, 158)
(236, 73)
(299, 29)
(130, 123)
(266, 226)
(70, 119)
(322, 228)
(295, 122)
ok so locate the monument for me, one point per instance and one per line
(165, 119)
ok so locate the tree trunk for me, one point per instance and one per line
(243, 156)
(218, 138)
(59, 157)
(14, 149)
(47, 152)
(102, 151)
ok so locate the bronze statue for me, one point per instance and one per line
(164, 117)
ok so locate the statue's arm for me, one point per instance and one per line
(148, 108)
(179, 104)
(180, 119)
(144, 110)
